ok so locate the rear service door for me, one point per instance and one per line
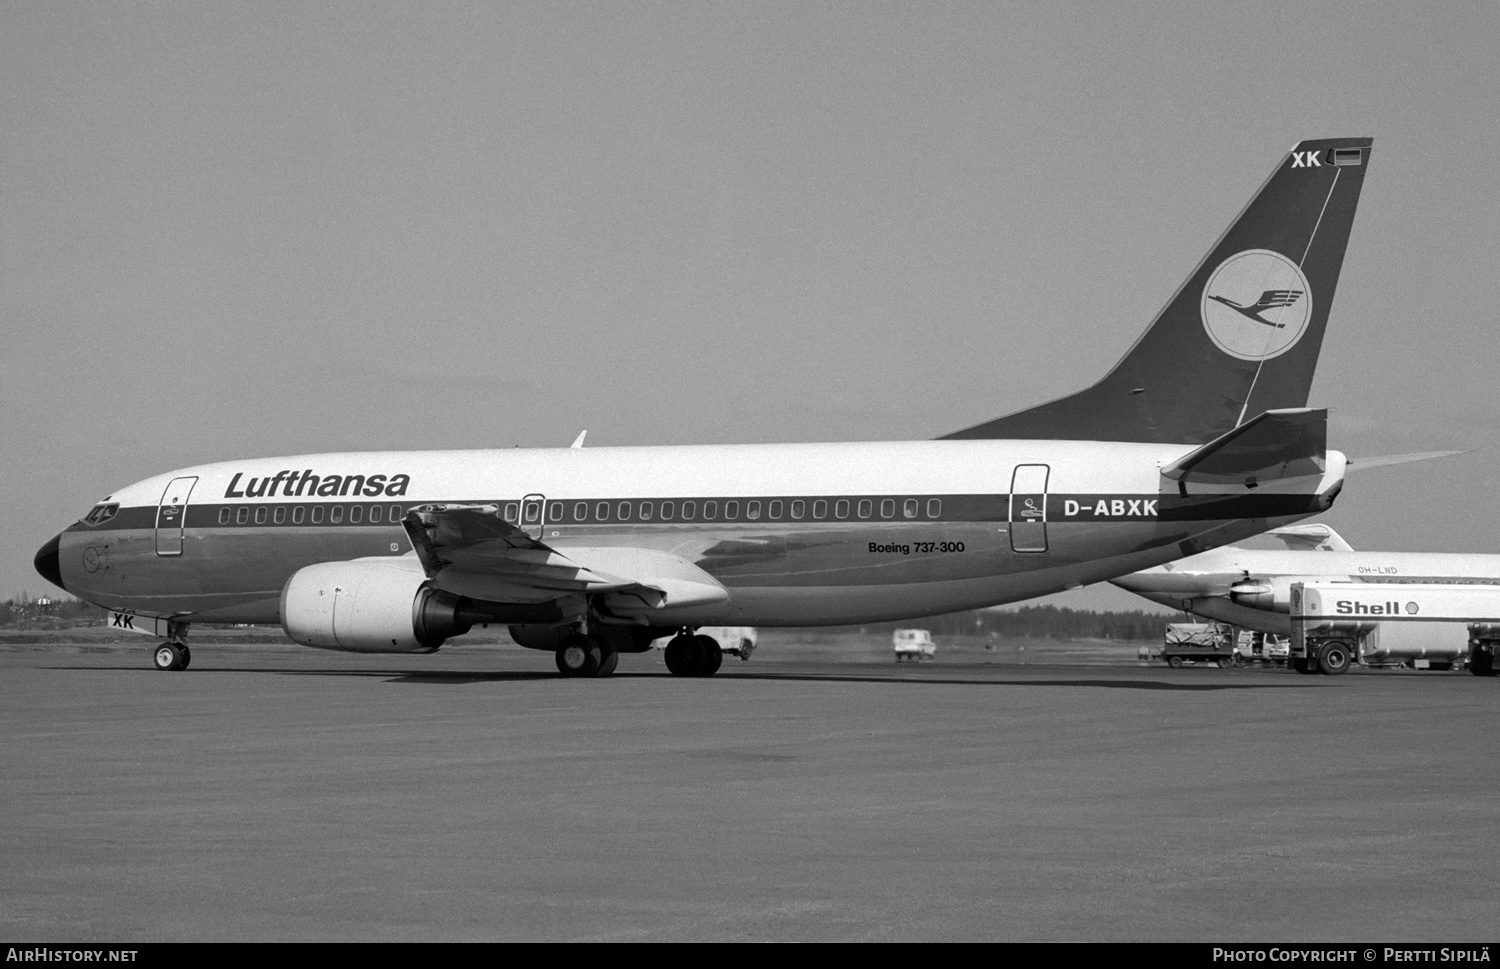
(1028, 508)
(171, 515)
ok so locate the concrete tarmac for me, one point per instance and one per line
(278, 793)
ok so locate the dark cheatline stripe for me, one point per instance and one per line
(1060, 509)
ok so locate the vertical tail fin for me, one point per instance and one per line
(1242, 334)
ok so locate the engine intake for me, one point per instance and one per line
(370, 606)
(1270, 595)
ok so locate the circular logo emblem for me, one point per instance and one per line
(1412, 608)
(1256, 305)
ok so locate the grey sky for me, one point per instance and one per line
(256, 229)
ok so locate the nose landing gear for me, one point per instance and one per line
(172, 657)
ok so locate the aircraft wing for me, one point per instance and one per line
(470, 550)
(1289, 443)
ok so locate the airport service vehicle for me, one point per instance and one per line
(1330, 619)
(733, 640)
(1255, 648)
(914, 645)
(1198, 642)
(1199, 436)
(1251, 588)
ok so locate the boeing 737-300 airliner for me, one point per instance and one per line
(1198, 437)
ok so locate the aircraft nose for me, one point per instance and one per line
(47, 563)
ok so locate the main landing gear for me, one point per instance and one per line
(580, 655)
(694, 656)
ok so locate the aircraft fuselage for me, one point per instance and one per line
(801, 534)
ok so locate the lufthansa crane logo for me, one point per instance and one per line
(1256, 305)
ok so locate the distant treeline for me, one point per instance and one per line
(1037, 622)
(61, 609)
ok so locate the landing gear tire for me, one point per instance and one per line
(608, 663)
(578, 655)
(172, 657)
(1482, 662)
(694, 656)
(1335, 657)
(684, 656)
(713, 655)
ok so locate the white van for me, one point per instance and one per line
(733, 640)
(914, 644)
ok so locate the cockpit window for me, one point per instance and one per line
(101, 513)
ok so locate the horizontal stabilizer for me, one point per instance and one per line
(1316, 537)
(1289, 443)
(1386, 460)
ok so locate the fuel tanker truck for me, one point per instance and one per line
(1330, 621)
(1252, 588)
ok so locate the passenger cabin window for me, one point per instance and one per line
(224, 515)
(841, 508)
(335, 514)
(865, 507)
(241, 515)
(512, 512)
(317, 515)
(395, 513)
(645, 511)
(888, 508)
(581, 511)
(666, 511)
(297, 514)
(556, 512)
(820, 509)
(374, 514)
(279, 515)
(623, 510)
(909, 509)
(934, 508)
(355, 514)
(260, 515)
(710, 510)
(752, 510)
(601, 511)
(774, 512)
(731, 510)
(797, 509)
(689, 509)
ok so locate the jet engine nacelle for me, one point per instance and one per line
(1269, 595)
(369, 606)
